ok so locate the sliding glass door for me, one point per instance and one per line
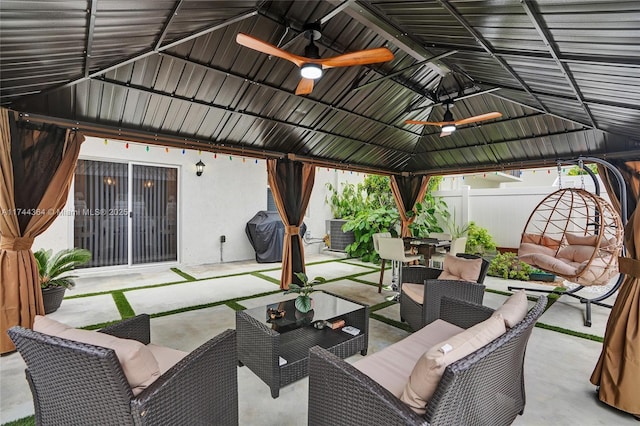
(126, 213)
(154, 214)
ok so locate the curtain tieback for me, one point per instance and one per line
(292, 230)
(15, 243)
(629, 266)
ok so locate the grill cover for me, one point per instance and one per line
(265, 231)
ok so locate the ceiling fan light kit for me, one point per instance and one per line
(311, 71)
(311, 65)
(449, 128)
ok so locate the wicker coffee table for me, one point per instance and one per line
(277, 350)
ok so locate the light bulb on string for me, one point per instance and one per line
(106, 141)
(147, 148)
(166, 150)
(183, 151)
(126, 145)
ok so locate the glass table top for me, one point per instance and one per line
(325, 307)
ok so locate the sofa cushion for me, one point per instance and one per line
(414, 291)
(460, 269)
(514, 309)
(391, 366)
(138, 363)
(428, 371)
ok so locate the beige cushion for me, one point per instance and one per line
(583, 240)
(429, 369)
(166, 357)
(530, 248)
(137, 361)
(460, 269)
(514, 309)
(540, 240)
(549, 263)
(391, 366)
(414, 291)
(576, 253)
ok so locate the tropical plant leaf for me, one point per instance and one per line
(303, 303)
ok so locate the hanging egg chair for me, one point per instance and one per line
(574, 234)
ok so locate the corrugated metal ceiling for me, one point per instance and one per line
(565, 75)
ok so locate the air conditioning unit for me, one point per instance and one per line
(338, 240)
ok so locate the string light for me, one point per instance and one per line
(199, 152)
(147, 148)
(215, 155)
(166, 150)
(230, 158)
(183, 151)
(256, 161)
(106, 141)
(126, 145)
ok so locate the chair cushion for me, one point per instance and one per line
(166, 357)
(414, 291)
(576, 252)
(583, 240)
(514, 309)
(460, 269)
(540, 240)
(429, 369)
(138, 363)
(391, 366)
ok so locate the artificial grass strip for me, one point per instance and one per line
(235, 305)
(184, 274)
(25, 421)
(125, 309)
(266, 277)
(381, 305)
(391, 322)
(570, 332)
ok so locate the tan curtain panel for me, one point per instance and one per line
(407, 191)
(291, 184)
(37, 165)
(617, 372)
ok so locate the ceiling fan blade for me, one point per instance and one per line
(361, 57)
(481, 117)
(445, 134)
(428, 123)
(304, 87)
(264, 47)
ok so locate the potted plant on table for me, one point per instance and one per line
(53, 271)
(303, 301)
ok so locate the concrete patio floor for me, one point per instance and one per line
(557, 365)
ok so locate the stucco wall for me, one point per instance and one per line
(220, 202)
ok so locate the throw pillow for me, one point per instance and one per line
(429, 369)
(138, 363)
(583, 240)
(460, 269)
(514, 309)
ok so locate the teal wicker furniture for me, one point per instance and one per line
(484, 388)
(76, 383)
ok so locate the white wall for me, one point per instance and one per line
(220, 202)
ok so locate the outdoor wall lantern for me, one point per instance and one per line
(199, 168)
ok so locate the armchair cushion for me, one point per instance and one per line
(414, 291)
(138, 363)
(461, 269)
(582, 240)
(428, 371)
(513, 309)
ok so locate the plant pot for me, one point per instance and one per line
(304, 317)
(52, 298)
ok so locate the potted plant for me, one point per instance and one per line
(303, 301)
(53, 270)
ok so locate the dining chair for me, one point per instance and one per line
(376, 238)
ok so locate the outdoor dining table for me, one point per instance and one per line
(425, 246)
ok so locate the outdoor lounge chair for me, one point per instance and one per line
(76, 383)
(422, 291)
(485, 387)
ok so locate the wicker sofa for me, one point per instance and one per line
(484, 388)
(76, 383)
(418, 310)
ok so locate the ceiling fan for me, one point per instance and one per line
(449, 125)
(311, 65)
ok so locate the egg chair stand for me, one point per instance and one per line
(577, 235)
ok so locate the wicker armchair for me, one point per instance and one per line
(484, 388)
(416, 314)
(76, 383)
